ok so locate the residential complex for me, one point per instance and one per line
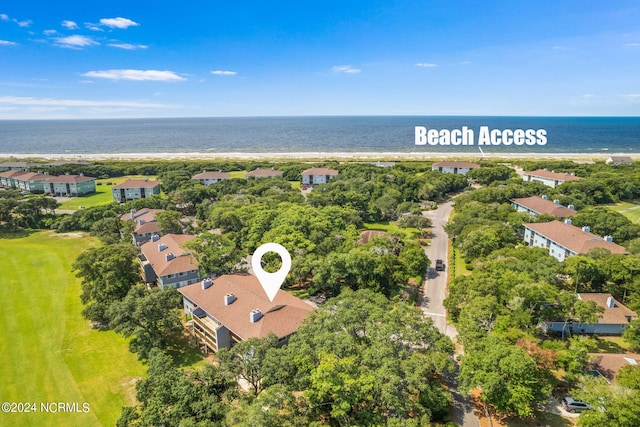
(542, 205)
(208, 178)
(233, 308)
(167, 263)
(69, 185)
(133, 189)
(549, 178)
(145, 224)
(563, 239)
(460, 168)
(263, 173)
(614, 320)
(315, 176)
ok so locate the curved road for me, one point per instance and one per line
(434, 291)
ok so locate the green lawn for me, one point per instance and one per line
(630, 210)
(102, 196)
(48, 353)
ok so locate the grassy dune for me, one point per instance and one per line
(48, 353)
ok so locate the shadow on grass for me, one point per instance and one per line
(15, 234)
(609, 346)
(183, 352)
(541, 419)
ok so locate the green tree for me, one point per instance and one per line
(149, 316)
(108, 273)
(169, 222)
(217, 254)
(510, 379)
(245, 360)
(610, 405)
(362, 359)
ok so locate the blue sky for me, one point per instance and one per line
(219, 58)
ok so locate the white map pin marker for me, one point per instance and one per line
(271, 282)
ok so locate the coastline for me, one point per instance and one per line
(292, 156)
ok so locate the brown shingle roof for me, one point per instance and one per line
(11, 173)
(145, 220)
(447, 164)
(63, 179)
(212, 175)
(612, 315)
(264, 173)
(559, 176)
(543, 206)
(281, 317)
(320, 171)
(31, 176)
(137, 183)
(573, 238)
(183, 260)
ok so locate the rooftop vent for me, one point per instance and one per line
(556, 201)
(568, 221)
(572, 207)
(162, 247)
(608, 239)
(143, 222)
(586, 229)
(206, 283)
(229, 298)
(255, 315)
(544, 197)
(169, 256)
(155, 238)
(611, 303)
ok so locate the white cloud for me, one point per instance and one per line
(7, 43)
(49, 32)
(4, 17)
(128, 46)
(631, 98)
(118, 23)
(137, 75)
(92, 27)
(465, 62)
(223, 73)
(348, 69)
(23, 23)
(76, 41)
(51, 102)
(426, 65)
(70, 25)
(631, 44)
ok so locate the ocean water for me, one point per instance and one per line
(358, 134)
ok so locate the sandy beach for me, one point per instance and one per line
(340, 156)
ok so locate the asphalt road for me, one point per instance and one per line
(434, 291)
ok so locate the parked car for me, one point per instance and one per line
(572, 405)
(439, 265)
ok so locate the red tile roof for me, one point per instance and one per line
(212, 175)
(11, 173)
(183, 261)
(137, 183)
(320, 171)
(264, 173)
(543, 206)
(573, 238)
(612, 315)
(447, 164)
(281, 317)
(558, 176)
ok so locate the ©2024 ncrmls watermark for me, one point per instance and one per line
(486, 136)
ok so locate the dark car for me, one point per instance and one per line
(439, 265)
(572, 405)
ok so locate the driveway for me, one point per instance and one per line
(434, 291)
(434, 288)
